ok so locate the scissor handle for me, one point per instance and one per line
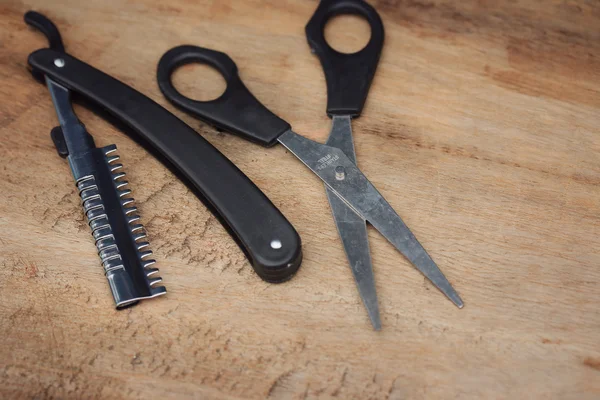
(348, 76)
(236, 110)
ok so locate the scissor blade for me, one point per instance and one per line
(345, 179)
(351, 227)
(340, 136)
(353, 232)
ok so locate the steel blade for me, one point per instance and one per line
(353, 232)
(352, 228)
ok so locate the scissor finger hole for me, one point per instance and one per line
(347, 33)
(200, 82)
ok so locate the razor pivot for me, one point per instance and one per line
(119, 237)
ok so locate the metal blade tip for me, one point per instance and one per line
(455, 298)
(376, 324)
(374, 316)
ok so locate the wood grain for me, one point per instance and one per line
(481, 129)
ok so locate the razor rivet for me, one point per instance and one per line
(59, 62)
(340, 173)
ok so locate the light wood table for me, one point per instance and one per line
(482, 129)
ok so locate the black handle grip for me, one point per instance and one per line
(236, 110)
(268, 239)
(47, 27)
(348, 76)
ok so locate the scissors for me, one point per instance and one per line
(354, 200)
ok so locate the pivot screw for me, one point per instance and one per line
(59, 62)
(340, 173)
(276, 244)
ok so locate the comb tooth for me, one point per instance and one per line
(113, 261)
(98, 223)
(86, 186)
(95, 214)
(142, 245)
(151, 271)
(136, 227)
(92, 204)
(129, 210)
(86, 182)
(132, 218)
(124, 202)
(109, 251)
(122, 184)
(105, 242)
(109, 257)
(158, 290)
(113, 267)
(89, 194)
(109, 149)
(115, 167)
(112, 159)
(148, 263)
(102, 233)
(144, 254)
(89, 191)
(124, 192)
(118, 175)
(139, 236)
(100, 229)
(154, 281)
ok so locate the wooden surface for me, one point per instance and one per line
(482, 129)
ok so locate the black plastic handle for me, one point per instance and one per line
(268, 239)
(236, 110)
(47, 27)
(348, 76)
